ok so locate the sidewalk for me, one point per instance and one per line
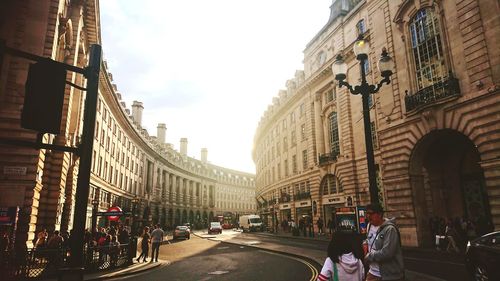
(315, 255)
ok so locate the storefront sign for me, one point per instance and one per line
(284, 206)
(301, 204)
(14, 170)
(333, 200)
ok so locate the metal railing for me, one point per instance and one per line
(328, 157)
(42, 263)
(431, 94)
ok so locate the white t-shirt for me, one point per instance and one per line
(372, 234)
(157, 235)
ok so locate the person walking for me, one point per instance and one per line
(144, 245)
(319, 223)
(344, 261)
(384, 254)
(156, 239)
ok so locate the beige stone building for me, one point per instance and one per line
(130, 169)
(435, 128)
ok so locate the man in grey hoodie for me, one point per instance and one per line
(384, 247)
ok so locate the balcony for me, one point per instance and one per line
(328, 158)
(433, 94)
(284, 199)
(302, 195)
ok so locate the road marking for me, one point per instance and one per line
(313, 269)
(252, 242)
(218, 272)
(222, 248)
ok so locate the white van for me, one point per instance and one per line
(250, 223)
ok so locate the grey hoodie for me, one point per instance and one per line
(386, 251)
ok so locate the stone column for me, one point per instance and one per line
(318, 124)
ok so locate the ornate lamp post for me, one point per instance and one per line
(95, 206)
(135, 201)
(385, 65)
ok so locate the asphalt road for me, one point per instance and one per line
(202, 259)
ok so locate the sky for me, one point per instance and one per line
(207, 69)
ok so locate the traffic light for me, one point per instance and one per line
(44, 97)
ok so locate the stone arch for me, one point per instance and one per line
(191, 216)
(184, 216)
(447, 181)
(177, 218)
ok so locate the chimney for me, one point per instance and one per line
(204, 153)
(161, 130)
(184, 146)
(137, 112)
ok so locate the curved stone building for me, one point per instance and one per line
(434, 128)
(131, 169)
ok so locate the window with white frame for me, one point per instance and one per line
(427, 48)
(334, 134)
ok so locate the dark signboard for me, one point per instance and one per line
(8, 215)
(351, 218)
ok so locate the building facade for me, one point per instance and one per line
(140, 173)
(434, 128)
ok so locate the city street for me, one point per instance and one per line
(234, 254)
(204, 259)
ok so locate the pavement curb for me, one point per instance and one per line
(127, 272)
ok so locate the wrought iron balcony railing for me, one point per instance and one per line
(302, 195)
(432, 94)
(328, 158)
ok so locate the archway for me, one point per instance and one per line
(163, 221)
(177, 217)
(170, 218)
(191, 217)
(447, 183)
(211, 216)
(184, 216)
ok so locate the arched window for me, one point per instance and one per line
(334, 134)
(427, 49)
(329, 185)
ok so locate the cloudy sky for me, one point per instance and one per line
(207, 69)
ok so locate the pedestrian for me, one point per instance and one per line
(384, 254)
(156, 239)
(144, 245)
(344, 261)
(114, 251)
(319, 223)
(41, 240)
(451, 235)
(330, 226)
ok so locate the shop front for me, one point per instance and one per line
(329, 204)
(285, 212)
(303, 209)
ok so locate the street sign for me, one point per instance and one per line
(117, 210)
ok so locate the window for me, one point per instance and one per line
(331, 95)
(329, 185)
(279, 171)
(427, 49)
(284, 124)
(285, 144)
(361, 27)
(302, 110)
(286, 168)
(277, 148)
(321, 58)
(303, 131)
(293, 139)
(96, 131)
(334, 134)
(294, 164)
(304, 159)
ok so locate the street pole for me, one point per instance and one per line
(86, 146)
(370, 159)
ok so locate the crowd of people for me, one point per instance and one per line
(452, 234)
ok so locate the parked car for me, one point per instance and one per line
(215, 227)
(188, 225)
(482, 257)
(182, 231)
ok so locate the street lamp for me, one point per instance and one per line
(385, 65)
(95, 205)
(135, 201)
